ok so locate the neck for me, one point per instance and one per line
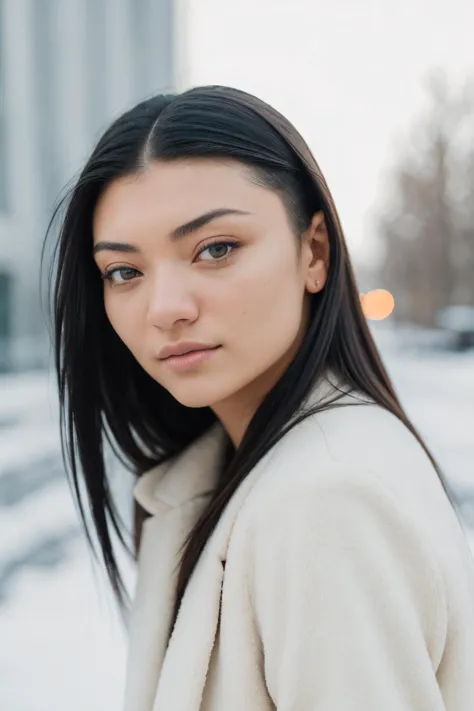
(236, 411)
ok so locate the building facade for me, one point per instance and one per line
(67, 68)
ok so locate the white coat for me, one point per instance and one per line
(338, 579)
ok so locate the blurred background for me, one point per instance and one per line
(382, 91)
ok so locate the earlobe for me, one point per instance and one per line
(313, 285)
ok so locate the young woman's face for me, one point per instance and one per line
(234, 283)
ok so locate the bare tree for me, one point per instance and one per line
(427, 225)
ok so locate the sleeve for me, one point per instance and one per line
(347, 599)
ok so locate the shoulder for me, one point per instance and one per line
(362, 447)
(328, 486)
(337, 502)
(360, 453)
(322, 492)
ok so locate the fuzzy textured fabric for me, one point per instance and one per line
(348, 584)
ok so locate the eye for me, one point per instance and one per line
(126, 274)
(219, 251)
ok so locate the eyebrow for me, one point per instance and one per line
(178, 233)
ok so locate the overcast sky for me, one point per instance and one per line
(348, 73)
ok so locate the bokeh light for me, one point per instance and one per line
(377, 304)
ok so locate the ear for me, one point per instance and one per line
(316, 253)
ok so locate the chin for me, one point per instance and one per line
(201, 394)
(193, 401)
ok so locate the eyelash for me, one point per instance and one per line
(108, 275)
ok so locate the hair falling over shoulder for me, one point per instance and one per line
(105, 395)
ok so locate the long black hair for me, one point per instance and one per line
(105, 395)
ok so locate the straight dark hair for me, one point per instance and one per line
(105, 395)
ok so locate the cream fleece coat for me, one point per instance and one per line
(338, 579)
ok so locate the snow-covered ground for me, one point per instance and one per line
(62, 641)
(62, 644)
(436, 388)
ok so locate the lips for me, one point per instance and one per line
(183, 348)
(189, 360)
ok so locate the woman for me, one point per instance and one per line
(297, 549)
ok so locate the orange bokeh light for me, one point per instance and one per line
(377, 304)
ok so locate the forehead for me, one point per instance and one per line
(175, 191)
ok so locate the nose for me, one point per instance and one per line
(170, 299)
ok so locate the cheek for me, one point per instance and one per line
(264, 302)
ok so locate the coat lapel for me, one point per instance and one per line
(175, 494)
(186, 663)
(162, 536)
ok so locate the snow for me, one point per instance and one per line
(436, 388)
(29, 413)
(63, 645)
(26, 393)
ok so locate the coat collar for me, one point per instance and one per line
(163, 676)
(193, 473)
(189, 475)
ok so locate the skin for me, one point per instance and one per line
(254, 303)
